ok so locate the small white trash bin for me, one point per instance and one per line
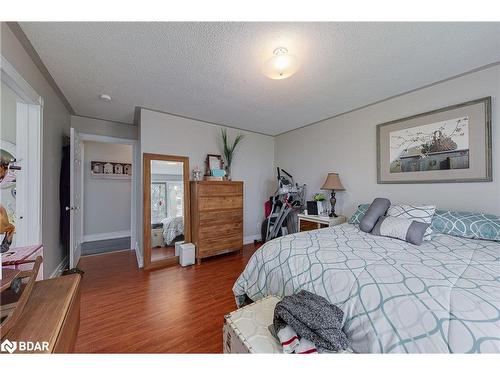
(178, 247)
(186, 254)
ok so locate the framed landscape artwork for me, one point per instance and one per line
(451, 144)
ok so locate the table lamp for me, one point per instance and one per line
(332, 183)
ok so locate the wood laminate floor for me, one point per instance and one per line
(171, 310)
(160, 253)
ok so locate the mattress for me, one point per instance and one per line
(442, 296)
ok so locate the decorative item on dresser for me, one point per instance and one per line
(333, 183)
(217, 217)
(311, 222)
(197, 174)
(229, 149)
(213, 162)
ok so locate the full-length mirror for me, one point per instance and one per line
(166, 208)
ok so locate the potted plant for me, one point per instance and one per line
(228, 149)
(320, 199)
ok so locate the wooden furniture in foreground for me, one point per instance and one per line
(217, 217)
(8, 275)
(23, 258)
(51, 315)
(11, 313)
(311, 222)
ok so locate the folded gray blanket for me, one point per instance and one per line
(313, 318)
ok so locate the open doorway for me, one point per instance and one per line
(107, 189)
(104, 189)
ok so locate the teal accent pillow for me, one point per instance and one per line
(358, 215)
(467, 224)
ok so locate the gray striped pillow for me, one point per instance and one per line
(421, 214)
(397, 227)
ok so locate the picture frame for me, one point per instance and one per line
(213, 161)
(450, 144)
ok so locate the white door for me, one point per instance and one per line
(28, 231)
(75, 231)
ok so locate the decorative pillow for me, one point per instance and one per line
(378, 208)
(358, 215)
(422, 214)
(467, 224)
(404, 229)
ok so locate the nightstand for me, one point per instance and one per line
(311, 222)
(157, 237)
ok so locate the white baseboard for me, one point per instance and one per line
(106, 236)
(60, 268)
(138, 254)
(250, 239)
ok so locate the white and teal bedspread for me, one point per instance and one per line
(442, 296)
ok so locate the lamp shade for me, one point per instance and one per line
(332, 182)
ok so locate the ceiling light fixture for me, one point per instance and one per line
(105, 97)
(281, 65)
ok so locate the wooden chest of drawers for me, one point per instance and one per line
(216, 217)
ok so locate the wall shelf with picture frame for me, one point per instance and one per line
(111, 170)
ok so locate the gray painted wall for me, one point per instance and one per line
(56, 121)
(254, 163)
(9, 114)
(103, 127)
(347, 145)
(106, 201)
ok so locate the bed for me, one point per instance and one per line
(442, 296)
(173, 229)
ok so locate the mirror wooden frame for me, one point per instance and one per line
(147, 158)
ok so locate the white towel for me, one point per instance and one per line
(288, 338)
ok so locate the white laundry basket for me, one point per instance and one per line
(186, 254)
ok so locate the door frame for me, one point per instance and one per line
(32, 111)
(146, 191)
(133, 206)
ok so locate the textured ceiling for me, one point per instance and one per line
(213, 71)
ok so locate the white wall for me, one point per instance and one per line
(347, 144)
(103, 127)
(107, 203)
(254, 162)
(56, 121)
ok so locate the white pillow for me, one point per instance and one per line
(421, 214)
